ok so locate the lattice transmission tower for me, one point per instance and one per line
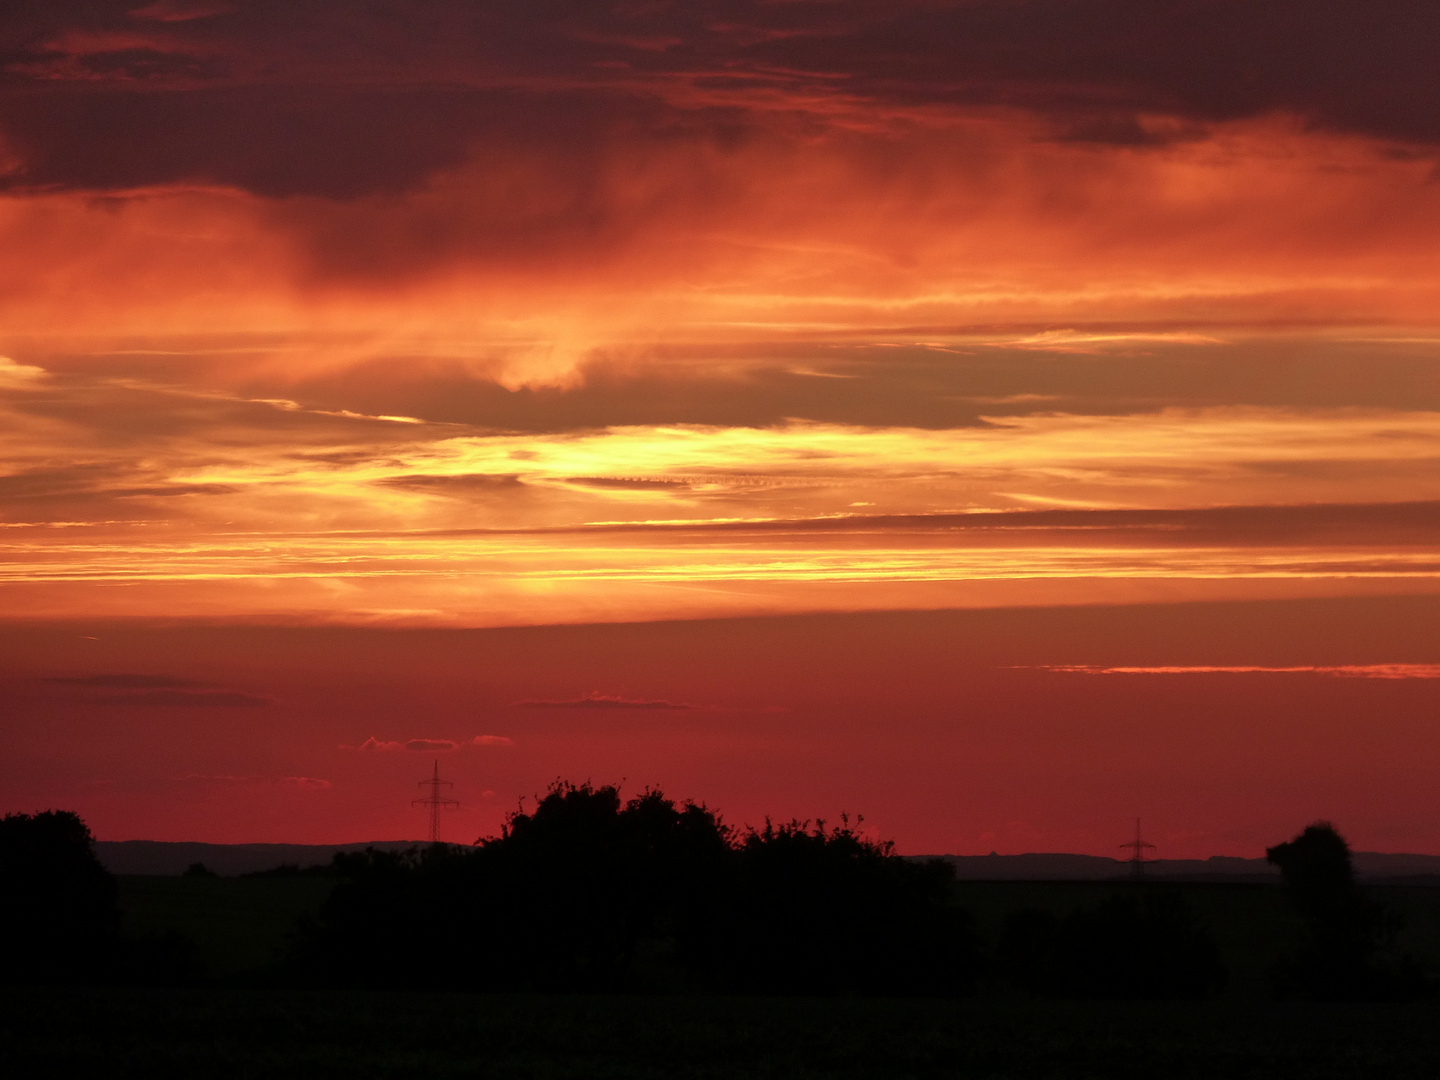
(435, 802)
(1137, 858)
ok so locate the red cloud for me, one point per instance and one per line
(429, 746)
(305, 783)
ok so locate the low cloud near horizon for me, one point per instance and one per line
(428, 746)
(1337, 671)
(300, 783)
(126, 682)
(188, 699)
(609, 701)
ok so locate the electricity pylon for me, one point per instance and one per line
(435, 802)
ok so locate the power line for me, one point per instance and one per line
(1137, 860)
(434, 801)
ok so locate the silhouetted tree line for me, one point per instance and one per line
(594, 894)
(589, 893)
(60, 912)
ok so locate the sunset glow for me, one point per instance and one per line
(508, 319)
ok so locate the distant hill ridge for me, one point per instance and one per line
(161, 857)
(1039, 866)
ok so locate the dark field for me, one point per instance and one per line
(259, 1033)
(1252, 923)
(245, 1024)
(240, 925)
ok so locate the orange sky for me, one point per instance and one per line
(435, 318)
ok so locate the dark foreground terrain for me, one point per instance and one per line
(264, 1033)
(231, 1029)
(241, 925)
(601, 939)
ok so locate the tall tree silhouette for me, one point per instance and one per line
(1347, 948)
(59, 908)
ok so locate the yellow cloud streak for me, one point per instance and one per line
(1172, 458)
(512, 515)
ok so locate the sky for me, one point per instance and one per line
(1000, 419)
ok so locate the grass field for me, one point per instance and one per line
(241, 925)
(238, 924)
(1252, 923)
(218, 1033)
(238, 1027)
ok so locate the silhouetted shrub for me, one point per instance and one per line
(568, 897)
(1145, 946)
(59, 908)
(60, 913)
(817, 912)
(199, 869)
(560, 900)
(1348, 950)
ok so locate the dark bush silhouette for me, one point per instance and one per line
(589, 893)
(561, 899)
(60, 912)
(199, 869)
(1347, 952)
(1131, 946)
(817, 912)
(59, 908)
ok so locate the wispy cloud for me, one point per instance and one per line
(492, 740)
(305, 783)
(431, 746)
(428, 746)
(126, 682)
(298, 783)
(1091, 341)
(609, 701)
(193, 699)
(1339, 671)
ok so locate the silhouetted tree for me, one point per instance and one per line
(570, 894)
(1149, 946)
(60, 913)
(823, 912)
(59, 908)
(560, 900)
(1348, 947)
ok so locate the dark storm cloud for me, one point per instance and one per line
(340, 99)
